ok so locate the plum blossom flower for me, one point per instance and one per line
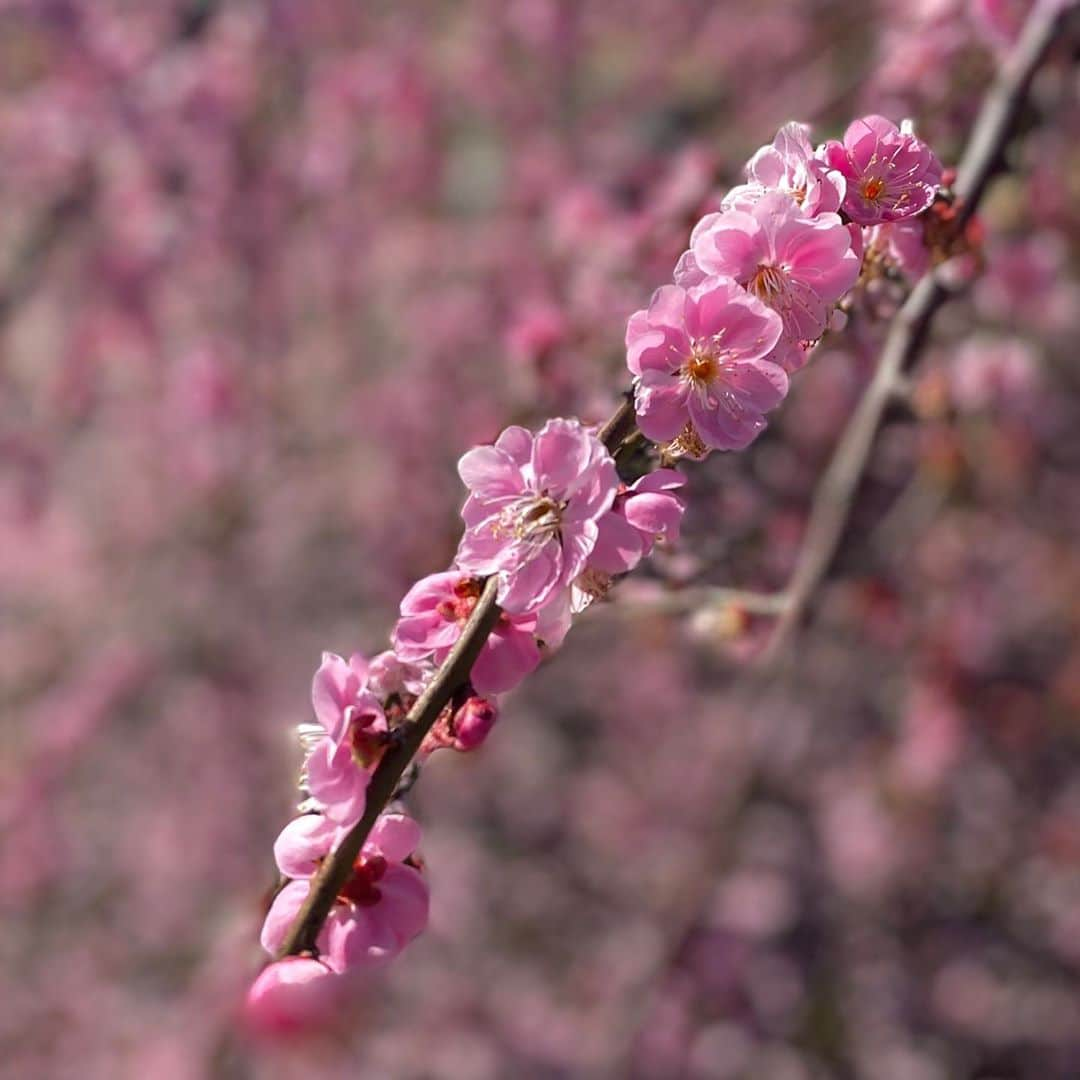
(390, 675)
(798, 266)
(788, 164)
(532, 509)
(434, 613)
(338, 765)
(643, 513)
(995, 373)
(902, 243)
(380, 908)
(292, 998)
(891, 174)
(651, 509)
(699, 357)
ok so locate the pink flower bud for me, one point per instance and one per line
(472, 722)
(291, 998)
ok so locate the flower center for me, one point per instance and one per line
(466, 594)
(535, 519)
(872, 188)
(361, 888)
(365, 743)
(767, 282)
(702, 367)
(593, 584)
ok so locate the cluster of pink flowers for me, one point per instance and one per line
(548, 516)
(764, 277)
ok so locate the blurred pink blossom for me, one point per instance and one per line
(994, 373)
(292, 999)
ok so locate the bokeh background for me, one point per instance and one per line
(266, 270)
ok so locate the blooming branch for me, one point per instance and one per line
(981, 159)
(452, 675)
(550, 524)
(335, 870)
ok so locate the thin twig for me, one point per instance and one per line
(335, 870)
(836, 492)
(698, 598)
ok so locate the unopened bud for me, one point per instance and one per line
(472, 722)
(292, 999)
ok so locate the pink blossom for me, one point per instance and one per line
(306, 840)
(532, 510)
(890, 173)
(473, 722)
(433, 614)
(292, 998)
(999, 21)
(989, 373)
(903, 243)
(643, 513)
(699, 357)
(379, 910)
(798, 266)
(337, 768)
(788, 164)
(301, 846)
(390, 675)
(651, 509)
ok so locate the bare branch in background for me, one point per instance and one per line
(835, 495)
(832, 506)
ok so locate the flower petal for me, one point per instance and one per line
(394, 836)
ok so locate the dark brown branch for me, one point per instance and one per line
(451, 676)
(836, 493)
(1004, 101)
(385, 780)
(620, 426)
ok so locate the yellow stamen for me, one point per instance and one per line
(702, 367)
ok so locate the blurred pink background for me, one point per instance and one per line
(266, 270)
